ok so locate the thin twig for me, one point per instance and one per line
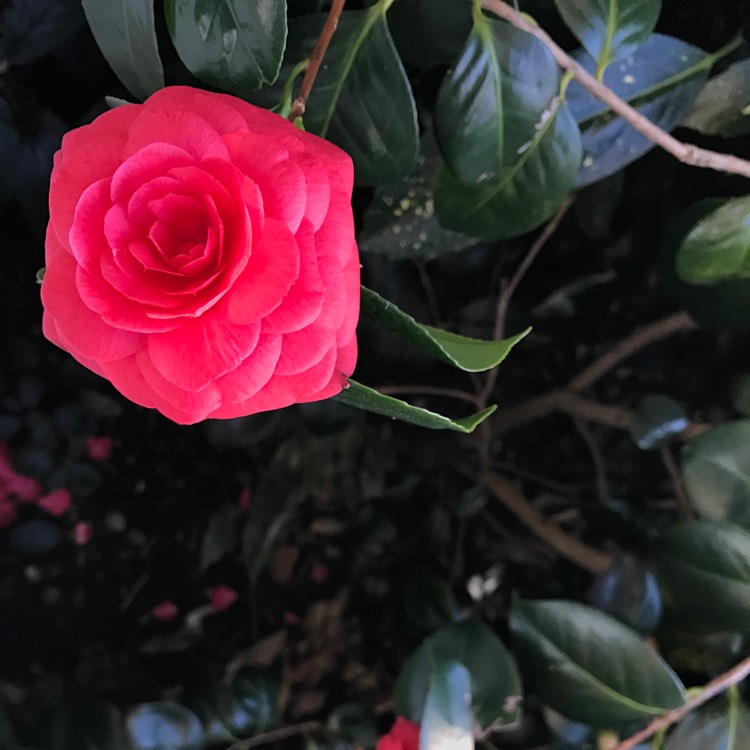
(686, 153)
(282, 733)
(640, 339)
(600, 469)
(684, 508)
(563, 543)
(429, 390)
(316, 58)
(712, 689)
(509, 290)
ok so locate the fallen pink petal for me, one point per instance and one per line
(56, 503)
(222, 597)
(99, 449)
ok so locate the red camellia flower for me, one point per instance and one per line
(201, 256)
(404, 735)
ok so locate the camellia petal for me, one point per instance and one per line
(201, 256)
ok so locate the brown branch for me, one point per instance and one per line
(282, 733)
(686, 153)
(316, 59)
(684, 508)
(600, 468)
(563, 543)
(712, 689)
(638, 340)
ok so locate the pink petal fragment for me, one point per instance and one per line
(83, 331)
(222, 597)
(56, 503)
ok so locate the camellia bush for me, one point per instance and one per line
(285, 215)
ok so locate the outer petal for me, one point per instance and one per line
(183, 129)
(88, 154)
(246, 380)
(202, 349)
(82, 330)
(216, 109)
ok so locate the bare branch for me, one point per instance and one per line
(316, 58)
(716, 686)
(685, 152)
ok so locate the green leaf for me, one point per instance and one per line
(723, 724)
(656, 421)
(164, 726)
(703, 569)
(716, 468)
(400, 221)
(429, 32)
(126, 35)
(490, 102)
(661, 79)
(724, 305)
(447, 721)
(234, 45)
(362, 100)
(610, 29)
(723, 106)
(495, 684)
(522, 196)
(588, 666)
(718, 246)
(470, 355)
(250, 706)
(368, 399)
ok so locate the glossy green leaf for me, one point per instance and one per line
(400, 221)
(716, 468)
(429, 32)
(447, 720)
(234, 45)
(353, 724)
(703, 569)
(522, 196)
(491, 101)
(656, 421)
(718, 246)
(164, 726)
(723, 724)
(661, 79)
(249, 706)
(688, 650)
(126, 35)
(723, 106)
(362, 100)
(724, 305)
(588, 666)
(495, 684)
(471, 355)
(610, 29)
(368, 399)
